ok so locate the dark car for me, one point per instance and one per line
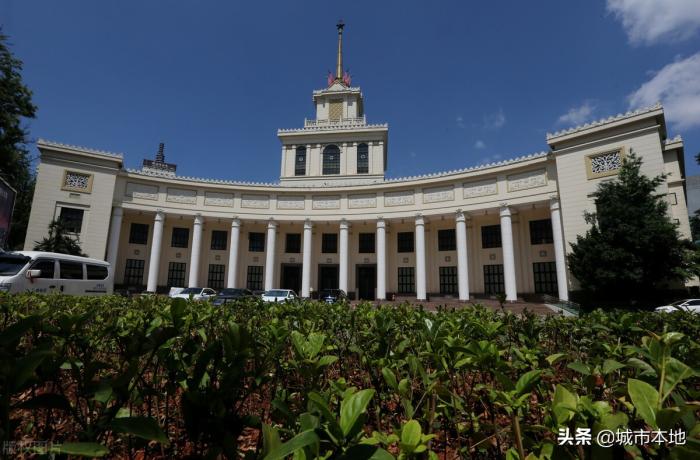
(231, 295)
(332, 295)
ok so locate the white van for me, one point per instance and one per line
(47, 272)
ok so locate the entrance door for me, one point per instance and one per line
(366, 276)
(291, 277)
(327, 277)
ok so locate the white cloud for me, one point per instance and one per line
(495, 120)
(479, 144)
(677, 86)
(650, 21)
(578, 115)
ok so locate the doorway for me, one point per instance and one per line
(366, 276)
(328, 277)
(291, 277)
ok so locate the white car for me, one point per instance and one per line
(690, 305)
(278, 295)
(196, 293)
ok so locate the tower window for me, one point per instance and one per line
(331, 160)
(300, 162)
(362, 159)
(335, 111)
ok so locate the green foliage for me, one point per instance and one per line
(59, 240)
(632, 246)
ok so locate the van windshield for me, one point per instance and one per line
(11, 264)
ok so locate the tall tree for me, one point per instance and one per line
(15, 163)
(632, 247)
(59, 240)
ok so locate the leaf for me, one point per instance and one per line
(676, 372)
(271, 438)
(142, 427)
(366, 452)
(317, 400)
(610, 365)
(404, 386)
(352, 407)
(303, 439)
(27, 365)
(564, 404)
(177, 311)
(527, 381)
(81, 449)
(410, 435)
(551, 359)
(327, 360)
(17, 330)
(645, 399)
(579, 367)
(390, 378)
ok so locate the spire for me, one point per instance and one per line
(160, 156)
(339, 69)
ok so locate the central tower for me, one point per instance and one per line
(338, 147)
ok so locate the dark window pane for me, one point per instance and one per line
(407, 280)
(366, 242)
(96, 272)
(46, 266)
(72, 219)
(218, 239)
(362, 159)
(256, 242)
(254, 279)
(329, 243)
(448, 280)
(216, 276)
(300, 162)
(181, 237)
(405, 241)
(331, 160)
(493, 279)
(176, 274)
(138, 234)
(293, 243)
(447, 240)
(133, 273)
(541, 231)
(71, 270)
(491, 236)
(545, 274)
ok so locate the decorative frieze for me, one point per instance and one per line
(181, 195)
(402, 198)
(326, 202)
(527, 180)
(438, 194)
(140, 191)
(218, 199)
(290, 202)
(255, 201)
(362, 201)
(480, 188)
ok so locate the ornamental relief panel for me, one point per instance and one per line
(218, 199)
(480, 188)
(290, 202)
(255, 201)
(527, 180)
(399, 198)
(362, 201)
(326, 202)
(141, 191)
(78, 182)
(181, 195)
(438, 194)
(604, 164)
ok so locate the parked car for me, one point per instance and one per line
(332, 295)
(231, 295)
(691, 305)
(197, 293)
(278, 295)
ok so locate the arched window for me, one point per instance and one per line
(331, 160)
(362, 159)
(300, 162)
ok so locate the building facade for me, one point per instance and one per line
(335, 221)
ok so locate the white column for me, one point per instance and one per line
(306, 258)
(270, 254)
(559, 251)
(233, 253)
(420, 259)
(462, 266)
(196, 251)
(114, 231)
(508, 255)
(343, 256)
(156, 243)
(381, 259)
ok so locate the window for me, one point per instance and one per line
(447, 240)
(407, 280)
(46, 266)
(138, 234)
(362, 159)
(335, 109)
(180, 237)
(293, 243)
(256, 242)
(300, 162)
(329, 243)
(366, 242)
(72, 219)
(541, 231)
(254, 279)
(493, 279)
(215, 280)
(96, 272)
(218, 239)
(545, 274)
(331, 160)
(491, 236)
(448, 280)
(176, 274)
(404, 241)
(71, 270)
(133, 273)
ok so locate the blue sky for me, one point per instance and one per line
(460, 83)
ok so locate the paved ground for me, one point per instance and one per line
(515, 307)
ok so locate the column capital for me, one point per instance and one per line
(554, 204)
(420, 220)
(117, 211)
(198, 219)
(308, 225)
(236, 222)
(381, 223)
(160, 215)
(344, 224)
(505, 210)
(460, 216)
(271, 224)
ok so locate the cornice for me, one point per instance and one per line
(44, 143)
(339, 127)
(604, 121)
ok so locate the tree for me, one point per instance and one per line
(15, 163)
(59, 241)
(632, 247)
